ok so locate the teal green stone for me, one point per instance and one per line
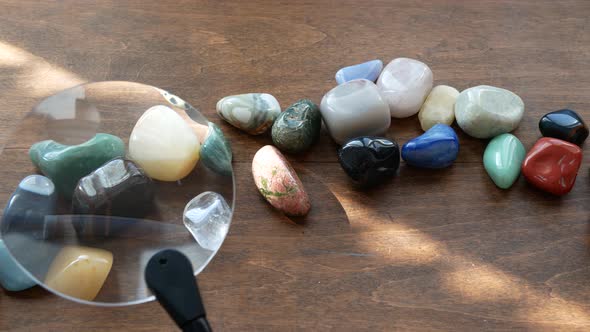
(65, 165)
(503, 158)
(216, 151)
(298, 127)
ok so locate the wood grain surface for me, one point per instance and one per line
(430, 250)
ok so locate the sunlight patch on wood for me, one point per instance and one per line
(34, 74)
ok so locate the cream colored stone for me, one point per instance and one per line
(485, 111)
(439, 107)
(79, 271)
(164, 145)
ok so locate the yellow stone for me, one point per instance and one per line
(439, 107)
(164, 145)
(79, 271)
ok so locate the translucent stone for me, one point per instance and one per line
(164, 145)
(79, 271)
(404, 84)
(207, 217)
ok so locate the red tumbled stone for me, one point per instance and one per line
(552, 165)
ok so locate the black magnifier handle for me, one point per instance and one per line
(169, 274)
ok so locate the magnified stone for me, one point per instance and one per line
(65, 165)
(164, 145)
(12, 276)
(118, 188)
(33, 200)
(216, 151)
(79, 271)
(207, 217)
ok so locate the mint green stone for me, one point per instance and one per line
(503, 158)
(65, 165)
(216, 151)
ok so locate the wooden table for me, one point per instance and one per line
(430, 250)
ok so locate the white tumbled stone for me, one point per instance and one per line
(439, 107)
(353, 109)
(486, 111)
(404, 84)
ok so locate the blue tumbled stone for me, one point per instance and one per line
(369, 70)
(12, 276)
(33, 200)
(436, 148)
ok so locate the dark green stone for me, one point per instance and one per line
(65, 165)
(216, 151)
(298, 127)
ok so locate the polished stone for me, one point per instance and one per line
(216, 151)
(118, 188)
(207, 217)
(12, 276)
(369, 70)
(436, 148)
(163, 144)
(253, 113)
(564, 124)
(552, 165)
(439, 107)
(404, 84)
(34, 199)
(355, 109)
(486, 111)
(79, 271)
(298, 127)
(65, 164)
(503, 158)
(278, 183)
(369, 160)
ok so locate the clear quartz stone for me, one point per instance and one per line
(207, 217)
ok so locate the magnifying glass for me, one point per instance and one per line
(94, 240)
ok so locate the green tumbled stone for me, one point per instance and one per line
(216, 152)
(298, 127)
(65, 165)
(503, 158)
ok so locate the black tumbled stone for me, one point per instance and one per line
(118, 188)
(564, 124)
(369, 160)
